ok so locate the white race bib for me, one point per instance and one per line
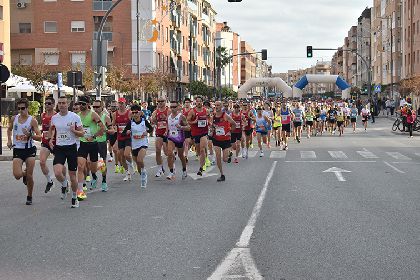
(174, 133)
(238, 124)
(161, 125)
(220, 131)
(138, 136)
(202, 123)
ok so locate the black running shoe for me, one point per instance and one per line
(222, 178)
(49, 187)
(25, 182)
(29, 200)
(200, 172)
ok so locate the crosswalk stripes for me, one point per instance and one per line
(367, 154)
(307, 154)
(417, 154)
(337, 154)
(278, 154)
(252, 154)
(398, 156)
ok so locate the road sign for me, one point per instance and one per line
(378, 88)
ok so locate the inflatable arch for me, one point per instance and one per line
(265, 82)
(329, 79)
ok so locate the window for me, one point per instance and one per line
(78, 26)
(50, 26)
(25, 59)
(1, 12)
(78, 60)
(51, 58)
(25, 27)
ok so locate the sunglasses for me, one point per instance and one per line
(160, 101)
(96, 107)
(174, 107)
(82, 103)
(134, 112)
(48, 103)
(21, 108)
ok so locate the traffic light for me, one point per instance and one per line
(264, 54)
(234, 0)
(309, 53)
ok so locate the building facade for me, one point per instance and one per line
(363, 48)
(349, 57)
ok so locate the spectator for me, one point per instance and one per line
(411, 118)
(388, 106)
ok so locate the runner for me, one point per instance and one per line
(309, 117)
(340, 120)
(236, 135)
(269, 113)
(248, 123)
(24, 130)
(112, 138)
(222, 124)
(353, 116)
(120, 118)
(323, 118)
(298, 116)
(138, 129)
(177, 124)
(93, 128)
(277, 124)
(332, 118)
(160, 120)
(262, 124)
(198, 120)
(286, 119)
(187, 133)
(365, 113)
(210, 157)
(45, 150)
(66, 127)
(102, 143)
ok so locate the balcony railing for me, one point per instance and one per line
(105, 36)
(101, 5)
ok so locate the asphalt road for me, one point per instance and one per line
(298, 222)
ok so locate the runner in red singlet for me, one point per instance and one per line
(160, 120)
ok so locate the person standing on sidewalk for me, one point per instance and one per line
(25, 129)
(411, 118)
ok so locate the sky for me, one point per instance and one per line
(285, 28)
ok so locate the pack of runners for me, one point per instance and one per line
(87, 138)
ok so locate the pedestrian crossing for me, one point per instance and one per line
(336, 155)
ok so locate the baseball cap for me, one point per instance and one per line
(122, 100)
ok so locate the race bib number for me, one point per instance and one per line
(174, 133)
(202, 123)
(238, 124)
(161, 125)
(121, 128)
(21, 138)
(138, 136)
(46, 134)
(220, 131)
(284, 118)
(62, 136)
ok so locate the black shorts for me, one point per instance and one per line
(353, 120)
(263, 133)
(248, 132)
(47, 147)
(103, 150)
(63, 153)
(348, 117)
(222, 144)
(135, 152)
(339, 123)
(331, 121)
(124, 143)
(112, 138)
(198, 138)
(310, 123)
(165, 138)
(24, 154)
(187, 134)
(297, 124)
(277, 127)
(88, 149)
(285, 127)
(235, 136)
(179, 145)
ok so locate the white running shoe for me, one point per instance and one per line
(261, 153)
(171, 176)
(184, 175)
(159, 173)
(143, 180)
(127, 177)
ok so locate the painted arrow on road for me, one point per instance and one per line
(338, 173)
(205, 174)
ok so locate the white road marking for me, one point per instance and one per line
(252, 154)
(393, 167)
(337, 154)
(367, 154)
(398, 156)
(338, 173)
(278, 154)
(417, 154)
(239, 263)
(330, 161)
(307, 154)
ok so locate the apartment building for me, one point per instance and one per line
(249, 66)
(411, 38)
(226, 38)
(349, 57)
(386, 48)
(337, 63)
(5, 57)
(363, 48)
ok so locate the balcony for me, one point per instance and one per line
(192, 6)
(105, 36)
(102, 5)
(176, 19)
(205, 19)
(193, 30)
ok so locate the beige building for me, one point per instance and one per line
(363, 48)
(248, 64)
(5, 56)
(349, 57)
(337, 63)
(410, 38)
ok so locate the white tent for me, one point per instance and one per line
(22, 88)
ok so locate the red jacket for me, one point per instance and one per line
(411, 118)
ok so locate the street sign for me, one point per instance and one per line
(377, 88)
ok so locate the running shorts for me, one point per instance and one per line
(285, 127)
(103, 149)
(222, 144)
(235, 137)
(47, 147)
(124, 143)
(24, 154)
(198, 138)
(88, 149)
(135, 152)
(66, 153)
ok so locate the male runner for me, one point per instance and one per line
(286, 119)
(66, 127)
(188, 139)
(248, 124)
(298, 115)
(160, 120)
(25, 129)
(236, 135)
(262, 123)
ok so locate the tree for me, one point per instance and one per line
(222, 59)
(411, 85)
(36, 74)
(199, 88)
(228, 92)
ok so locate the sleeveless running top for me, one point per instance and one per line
(238, 121)
(20, 139)
(221, 128)
(202, 126)
(102, 138)
(121, 121)
(46, 123)
(138, 139)
(247, 121)
(277, 120)
(161, 122)
(285, 116)
(175, 134)
(89, 126)
(261, 124)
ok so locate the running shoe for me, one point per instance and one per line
(204, 168)
(63, 193)
(222, 178)
(298, 139)
(117, 169)
(85, 188)
(109, 158)
(143, 180)
(251, 146)
(236, 160)
(87, 178)
(93, 184)
(104, 187)
(159, 173)
(230, 157)
(29, 200)
(261, 153)
(49, 186)
(243, 153)
(127, 177)
(171, 176)
(200, 172)
(81, 195)
(184, 175)
(74, 203)
(122, 169)
(135, 169)
(208, 162)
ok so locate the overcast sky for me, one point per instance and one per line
(285, 28)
